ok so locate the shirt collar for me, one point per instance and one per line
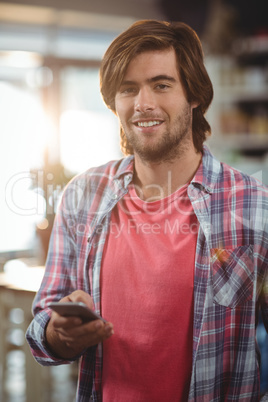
(126, 167)
(207, 174)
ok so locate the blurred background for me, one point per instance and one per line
(53, 125)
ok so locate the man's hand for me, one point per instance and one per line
(67, 337)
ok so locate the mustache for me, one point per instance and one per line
(145, 116)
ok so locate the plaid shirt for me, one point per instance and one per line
(231, 275)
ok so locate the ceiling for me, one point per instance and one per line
(116, 14)
(59, 27)
(66, 28)
(102, 14)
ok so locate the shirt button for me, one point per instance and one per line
(115, 196)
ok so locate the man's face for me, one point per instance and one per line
(152, 107)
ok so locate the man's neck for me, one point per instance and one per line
(157, 181)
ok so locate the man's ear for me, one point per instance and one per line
(194, 105)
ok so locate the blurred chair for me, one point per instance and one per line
(18, 285)
(19, 282)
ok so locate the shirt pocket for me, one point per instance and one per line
(232, 275)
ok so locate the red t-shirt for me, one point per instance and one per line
(147, 293)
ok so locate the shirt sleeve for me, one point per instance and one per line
(264, 259)
(264, 305)
(60, 279)
(264, 291)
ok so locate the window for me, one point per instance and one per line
(23, 135)
(87, 135)
(89, 132)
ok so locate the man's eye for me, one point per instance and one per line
(129, 90)
(162, 86)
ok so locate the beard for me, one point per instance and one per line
(172, 143)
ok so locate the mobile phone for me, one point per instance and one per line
(76, 309)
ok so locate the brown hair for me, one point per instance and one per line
(149, 35)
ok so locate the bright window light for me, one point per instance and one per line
(88, 139)
(23, 139)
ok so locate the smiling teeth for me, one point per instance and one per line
(148, 123)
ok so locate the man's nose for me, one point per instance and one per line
(145, 100)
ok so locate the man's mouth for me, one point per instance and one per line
(148, 123)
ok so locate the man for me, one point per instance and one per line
(168, 244)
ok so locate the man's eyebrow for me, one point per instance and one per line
(162, 77)
(153, 79)
(128, 82)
